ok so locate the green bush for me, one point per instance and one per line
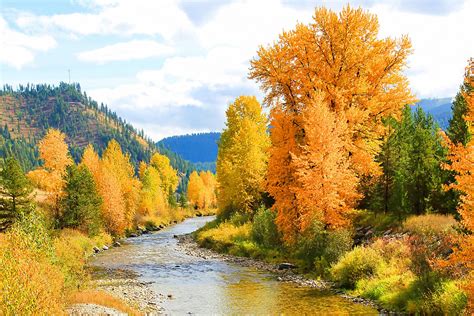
(318, 248)
(264, 229)
(360, 263)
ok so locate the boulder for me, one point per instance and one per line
(104, 247)
(117, 244)
(133, 235)
(96, 249)
(286, 266)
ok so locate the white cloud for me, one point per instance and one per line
(442, 44)
(19, 49)
(138, 49)
(126, 17)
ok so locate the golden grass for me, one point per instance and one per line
(430, 224)
(101, 298)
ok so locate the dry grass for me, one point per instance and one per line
(101, 298)
(430, 224)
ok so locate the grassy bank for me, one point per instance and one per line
(394, 264)
(43, 270)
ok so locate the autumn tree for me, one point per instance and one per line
(119, 176)
(53, 150)
(462, 163)
(340, 60)
(152, 197)
(195, 189)
(359, 75)
(169, 176)
(242, 157)
(210, 186)
(15, 193)
(323, 186)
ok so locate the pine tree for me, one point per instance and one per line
(15, 192)
(81, 202)
(458, 128)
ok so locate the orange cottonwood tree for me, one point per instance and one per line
(117, 165)
(338, 65)
(359, 75)
(320, 184)
(54, 152)
(462, 162)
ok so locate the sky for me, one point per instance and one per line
(171, 67)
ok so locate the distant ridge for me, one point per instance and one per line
(201, 148)
(439, 108)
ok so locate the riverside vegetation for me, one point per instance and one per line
(55, 216)
(350, 184)
(344, 180)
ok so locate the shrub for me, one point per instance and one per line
(29, 283)
(318, 248)
(264, 229)
(361, 262)
(224, 235)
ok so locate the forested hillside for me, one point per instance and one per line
(200, 149)
(27, 113)
(440, 109)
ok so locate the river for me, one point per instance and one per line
(210, 286)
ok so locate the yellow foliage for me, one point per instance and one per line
(202, 190)
(54, 152)
(242, 157)
(169, 176)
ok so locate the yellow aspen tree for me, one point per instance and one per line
(210, 183)
(169, 176)
(195, 189)
(242, 156)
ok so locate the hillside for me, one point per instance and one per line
(201, 149)
(27, 113)
(439, 108)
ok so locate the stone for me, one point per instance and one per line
(96, 249)
(286, 266)
(104, 247)
(133, 235)
(117, 244)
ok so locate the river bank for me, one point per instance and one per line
(191, 247)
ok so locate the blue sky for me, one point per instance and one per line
(171, 67)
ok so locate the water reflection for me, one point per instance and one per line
(202, 286)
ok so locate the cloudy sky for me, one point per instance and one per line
(171, 67)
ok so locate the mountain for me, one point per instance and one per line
(439, 108)
(201, 149)
(27, 113)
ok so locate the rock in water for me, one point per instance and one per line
(117, 244)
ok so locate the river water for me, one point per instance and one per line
(209, 286)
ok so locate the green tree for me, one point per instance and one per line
(458, 130)
(15, 192)
(81, 202)
(411, 159)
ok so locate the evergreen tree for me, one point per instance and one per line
(458, 129)
(412, 158)
(81, 202)
(15, 192)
